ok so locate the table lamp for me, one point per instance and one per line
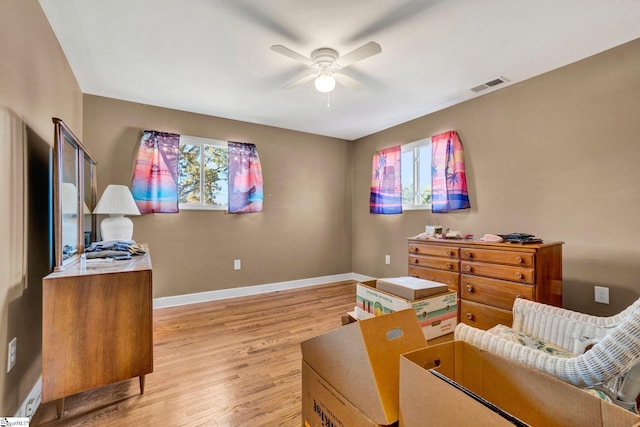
(116, 201)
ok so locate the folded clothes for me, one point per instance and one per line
(126, 247)
(107, 254)
(520, 238)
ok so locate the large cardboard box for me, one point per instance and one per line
(411, 288)
(360, 361)
(482, 388)
(438, 315)
(323, 405)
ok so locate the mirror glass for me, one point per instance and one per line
(69, 215)
(74, 196)
(89, 202)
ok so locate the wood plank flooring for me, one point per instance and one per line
(233, 362)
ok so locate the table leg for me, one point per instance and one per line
(142, 377)
(60, 407)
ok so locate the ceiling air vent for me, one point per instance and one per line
(489, 84)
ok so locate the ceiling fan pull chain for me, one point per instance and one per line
(328, 104)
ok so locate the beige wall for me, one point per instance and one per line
(556, 156)
(304, 231)
(36, 84)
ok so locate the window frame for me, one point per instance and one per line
(201, 141)
(415, 146)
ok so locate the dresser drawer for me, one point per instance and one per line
(434, 250)
(446, 277)
(498, 293)
(434, 262)
(523, 259)
(516, 274)
(483, 316)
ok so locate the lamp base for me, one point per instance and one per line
(116, 227)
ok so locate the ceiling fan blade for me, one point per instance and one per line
(411, 9)
(261, 14)
(301, 79)
(364, 51)
(291, 54)
(347, 81)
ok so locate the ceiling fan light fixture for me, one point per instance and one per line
(325, 82)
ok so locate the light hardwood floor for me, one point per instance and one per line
(234, 362)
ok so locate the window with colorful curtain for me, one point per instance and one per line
(386, 182)
(245, 178)
(448, 176)
(155, 178)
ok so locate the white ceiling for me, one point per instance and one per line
(213, 56)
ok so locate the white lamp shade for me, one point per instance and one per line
(69, 199)
(116, 201)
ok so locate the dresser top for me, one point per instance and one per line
(103, 266)
(483, 244)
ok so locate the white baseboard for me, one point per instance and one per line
(177, 300)
(30, 404)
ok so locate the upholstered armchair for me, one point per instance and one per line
(598, 353)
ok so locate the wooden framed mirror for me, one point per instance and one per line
(74, 196)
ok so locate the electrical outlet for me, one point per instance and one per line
(601, 294)
(12, 350)
(387, 259)
(31, 407)
(236, 264)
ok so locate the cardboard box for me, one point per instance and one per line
(438, 315)
(505, 391)
(361, 362)
(350, 317)
(411, 288)
(323, 405)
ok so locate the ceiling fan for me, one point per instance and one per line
(326, 66)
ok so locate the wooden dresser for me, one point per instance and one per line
(489, 276)
(97, 326)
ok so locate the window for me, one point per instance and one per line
(416, 174)
(202, 173)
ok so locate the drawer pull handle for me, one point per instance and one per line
(469, 255)
(450, 266)
(518, 275)
(451, 253)
(519, 259)
(416, 261)
(469, 316)
(518, 296)
(468, 268)
(470, 289)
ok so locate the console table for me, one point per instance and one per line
(97, 326)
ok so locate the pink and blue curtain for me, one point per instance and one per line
(448, 176)
(386, 182)
(245, 178)
(155, 177)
